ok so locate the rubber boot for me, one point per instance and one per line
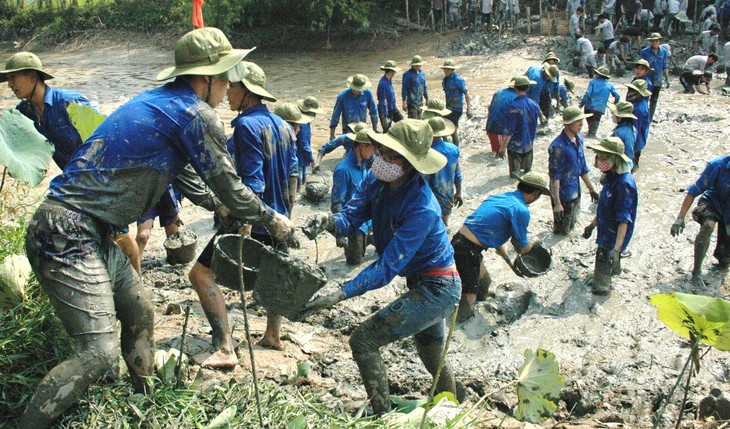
(375, 378)
(430, 354)
(485, 280)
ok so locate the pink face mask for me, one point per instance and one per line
(603, 165)
(386, 171)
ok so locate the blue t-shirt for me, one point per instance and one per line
(567, 163)
(304, 145)
(413, 87)
(714, 185)
(386, 97)
(542, 84)
(627, 133)
(522, 124)
(617, 204)
(597, 93)
(354, 109)
(498, 110)
(499, 218)
(341, 140)
(442, 182)
(659, 61)
(454, 89)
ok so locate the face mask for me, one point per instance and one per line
(386, 171)
(604, 165)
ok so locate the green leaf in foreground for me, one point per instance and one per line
(695, 317)
(84, 118)
(538, 386)
(23, 150)
(223, 418)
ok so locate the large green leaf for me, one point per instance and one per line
(84, 118)
(538, 386)
(23, 149)
(694, 316)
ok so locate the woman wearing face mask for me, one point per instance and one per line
(411, 241)
(616, 214)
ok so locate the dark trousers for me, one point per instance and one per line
(653, 101)
(593, 122)
(519, 161)
(570, 217)
(607, 43)
(455, 117)
(589, 69)
(604, 271)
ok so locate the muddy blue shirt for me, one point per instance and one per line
(442, 182)
(454, 89)
(346, 180)
(642, 123)
(714, 186)
(354, 109)
(522, 124)
(597, 93)
(410, 237)
(659, 61)
(542, 83)
(304, 145)
(499, 218)
(567, 163)
(55, 124)
(342, 140)
(121, 171)
(498, 110)
(413, 87)
(617, 204)
(386, 97)
(263, 148)
(627, 133)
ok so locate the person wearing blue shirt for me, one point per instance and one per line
(456, 94)
(345, 141)
(566, 167)
(411, 241)
(596, 98)
(309, 106)
(521, 128)
(346, 181)
(387, 104)
(499, 218)
(623, 116)
(658, 60)
(414, 91)
(545, 87)
(353, 104)
(641, 72)
(713, 208)
(448, 179)
(638, 94)
(497, 119)
(616, 213)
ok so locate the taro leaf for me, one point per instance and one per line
(448, 395)
(700, 317)
(298, 422)
(84, 118)
(538, 386)
(23, 149)
(405, 406)
(223, 419)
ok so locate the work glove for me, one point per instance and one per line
(469, 114)
(281, 227)
(341, 241)
(332, 134)
(613, 257)
(588, 231)
(458, 200)
(316, 223)
(594, 196)
(677, 227)
(293, 241)
(325, 301)
(559, 214)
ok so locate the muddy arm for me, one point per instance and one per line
(194, 189)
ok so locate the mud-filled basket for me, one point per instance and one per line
(282, 283)
(316, 188)
(534, 263)
(181, 247)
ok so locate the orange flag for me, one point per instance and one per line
(198, 13)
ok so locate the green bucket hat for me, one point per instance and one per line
(654, 36)
(603, 71)
(441, 126)
(23, 61)
(362, 137)
(623, 109)
(551, 56)
(520, 80)
(644, 63)
(435, 107)
(253, 78)
(536, 180)
(450, 64)
(309, 105)
(356, 127)
(358, 82)
(417, 61)
(612, 145)
(572, 114)
(552, 70)
(390, 65)
(290, 112)
(203, 51)
(569, 84)
(412, 139)
(639, 85)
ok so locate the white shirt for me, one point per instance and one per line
(609, 6)
(726, 54)
(571, 6)
(667, 48)
(594, 60)
(486, 6)
(673, 7)
(683, 4)
(659, 7)
(707, 9)
(585, 48)
(574, 24)
(698, 62)
(606, 30)
(708, 42)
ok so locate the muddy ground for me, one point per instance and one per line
(617, 359)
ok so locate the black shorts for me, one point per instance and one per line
(468, 257)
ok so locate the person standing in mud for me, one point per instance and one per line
(387, 105)
(623, 116)
(413, 88)
(411, 241)
(713, 188)
(638, 94)
(446, 183)
(521, 128)
(353, 104)
(616, 214)
(344, 140)
(596, 97)
(310, 107)
(497, 119)
(543, 87)
(567, 167)
(658, 61)
(641, 72)
(117, 175)
(456, 94)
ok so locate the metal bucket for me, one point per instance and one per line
(181, 247)
(225, 256)
(534, 263)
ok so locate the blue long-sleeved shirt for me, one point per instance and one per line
(499, 109)
(714, 184)
(627, 133)
(442, 182)
(354, 109)
(386, 97)
(542, 83)
(499, 218)
(642, 123)
(522, 124)
(454, 89)
(617, 204)
(409, 236)
(304, 145)
(649, 85)
(413, 87)
(659, 61)
(56, 126)
(341, 140)
(597, 93)
(567, 163)
(346, 180)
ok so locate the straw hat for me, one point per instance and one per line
(436, 107)
(412, 138)
(390, 65)
(520, 80)
(290, 112)
(536, 180)
(654, 36)
(441, 126)
(203, 51)
(603, 71)
(612, 145)
(23, 61)
(309, 105)
(450, 64)
(572, 114)
(358, 82)
(551, 56)
(552, 70)
(252, 77)
(639, 85)
(644, 63)
(417, 61)
(623, 109)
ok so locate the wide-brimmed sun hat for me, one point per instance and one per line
(536, 180)
(551, 56)
(356, 127)
(639, 85)
(252, 77)
(390, 65)
(358, 82)
(642, 62)
(412, 138)
(612, 145)
(290, 112)
(309, 105)
(435, 107)
(654, 36)
(623, 109)
(362, 137)
(417, 61)
(441, 126)
(450, 64)
(23, 61)
(603, 71)
(552, 71)
(572, 114)
(203, 51)
(569, 85)
(520, 80)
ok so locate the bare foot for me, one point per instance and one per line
(697, 281)
(217, 360)
(271, 343)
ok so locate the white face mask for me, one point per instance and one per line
(386, 171)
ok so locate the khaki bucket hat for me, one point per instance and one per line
(290, 112)
(390, 65)
(203, 51)
(417, 61)
(569, 84)
(309, 105)
(552, 70)
(612, 145)
(441, 126)
(356, 127)
(362, 137)
(623, 109)
(254, 79)
(603, 71)
(450, 64)
(551, 56)
(436, 107)
(23, 61)
(358, 82)
(654, 36)
(412, 139)
(572, 114)
(536, 180)
(639, 85)
(520, 80)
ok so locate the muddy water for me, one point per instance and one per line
(616, 357)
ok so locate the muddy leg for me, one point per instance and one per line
(602, 273)
(485, 280)
(272, 335)
(144, 230)
(365, 346)
(702, 243)
(430, 345)
(129, 247)
(136, 313)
